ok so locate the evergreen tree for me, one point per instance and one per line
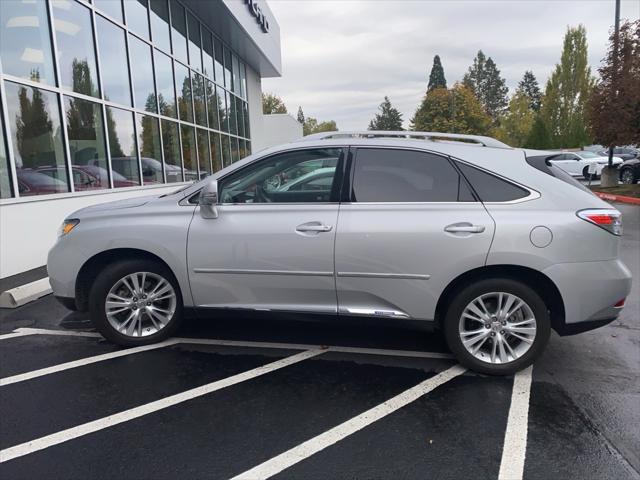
(389, 118)
(529, 86)
(484, 79)
(436, 77)
(538, 137)
(567, 92)
(300, 116)
(272, 104)
(33, 126)
(516, 124)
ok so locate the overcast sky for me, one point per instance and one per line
(341, 57)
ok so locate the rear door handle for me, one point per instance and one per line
(315, 227)
(464, 228)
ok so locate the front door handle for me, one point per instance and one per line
(313, 227)
(464, 228)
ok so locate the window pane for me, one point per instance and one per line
(122, 146)
(199, 100)
(150, 150)
(236, 76)
(137, 17)
(204, 160)
(231, 107)
(113, 62)
(36, 138)
(5, 174)
(226, 153)
(25, 44)
(179, 31)
(218, 62)
(213, 105)
(248, 147)
(243, 149)
(183, 90)
(239, 119)
(224, 113)
(245, 114)
(235, 155)
(166, 85)
(227, 69)
(304, 176)
(160, 31)
(404, 176)
(194, 42)
(216, 153)
(86, 144)
(490, 188)
(113, 8)
(243, 79)
(189, 159)
(171, 149)
(144, 91)
(207, 53)
(76, 54)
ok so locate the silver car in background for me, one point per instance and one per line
(464, 233)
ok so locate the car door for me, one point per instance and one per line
(269, 248)
(566, 163)
(410, 227)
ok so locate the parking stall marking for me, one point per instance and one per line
(515, 438)
(21, 332)
(314, 445)
(136, 412)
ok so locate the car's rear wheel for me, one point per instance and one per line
(587, 175)
(135, 302)
(627, 177)
(497, 326)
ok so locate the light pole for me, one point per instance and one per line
(615, 65)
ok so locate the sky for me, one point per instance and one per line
(341, 57)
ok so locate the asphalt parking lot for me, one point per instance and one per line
(251, 398)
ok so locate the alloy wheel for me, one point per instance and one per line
(140, 304)
(627, 176)
(497, 327)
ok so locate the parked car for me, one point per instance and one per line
(624, 153)
(152, 169)
(87, 177)
(31, 182)
(630, 171)
(490, 245)
(577, 164)
(319, 180)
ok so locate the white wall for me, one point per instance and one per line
(279, 128)
(29, 226)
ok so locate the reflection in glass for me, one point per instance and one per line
(179, 31)
(113, 63)
(245, 114)
(235, 155)
(76, 55)
(247, 146)
(36, 138)
(195, 60)
(199, 99)
(160, 31)
(5, 174)
(226, 153)
(150, 150)
(241, 149)
(171, 149)
(112, 8)
(213, 106)
(236, 76)
(25, 42)
(216, 152)
(207, 53)
(122, 146)
(218, 62)
(204, 160)
(144, 90)
(228, 77)
(165, 83)
(86, 143)
(183, 90)
(243, 79)
(231, 113)
(239, 119)
(224, 111)
(137, 17)
(189, 154)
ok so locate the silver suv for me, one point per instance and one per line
(490, 244)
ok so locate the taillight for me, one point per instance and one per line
(607, 218)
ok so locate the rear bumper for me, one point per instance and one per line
(589, 292)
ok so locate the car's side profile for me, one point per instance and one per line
(583, 164)
(494, 247)
(629, 171)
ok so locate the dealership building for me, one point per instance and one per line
(108, 99)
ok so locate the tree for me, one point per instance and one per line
(311, 125)
(389, 118)
(300, 116)
(516, 124)
(538, 137)
(272, 104)
(484, 79)
(455, 110)
(614, 106)
(566, 94)
(34, 128)
(529, 86)
(436, 77)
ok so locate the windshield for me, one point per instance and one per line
(588, 154)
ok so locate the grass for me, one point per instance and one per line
(626, 190)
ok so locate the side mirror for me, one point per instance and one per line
(208, 200)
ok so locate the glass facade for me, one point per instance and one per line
(113, 94)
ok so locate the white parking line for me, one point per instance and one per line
(515, 438)
(20, 332)
(136, 412)
(314, 445)
(83, 361)
(14, 334)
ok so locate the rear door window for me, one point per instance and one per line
(489, 187)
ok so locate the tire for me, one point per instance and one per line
(150, 329)
(626, 176)
(525, 353)
(587, 175)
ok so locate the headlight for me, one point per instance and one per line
(68, 225)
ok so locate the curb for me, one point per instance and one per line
(18, 296)
(618, 198)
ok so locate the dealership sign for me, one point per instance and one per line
(256, 11)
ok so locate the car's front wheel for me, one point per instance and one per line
(135, 302)
(497, 326)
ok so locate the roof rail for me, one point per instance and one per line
(432, 136)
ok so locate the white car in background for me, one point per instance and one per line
(577, 164)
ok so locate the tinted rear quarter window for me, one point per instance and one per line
(489, 187)
(393, 175)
